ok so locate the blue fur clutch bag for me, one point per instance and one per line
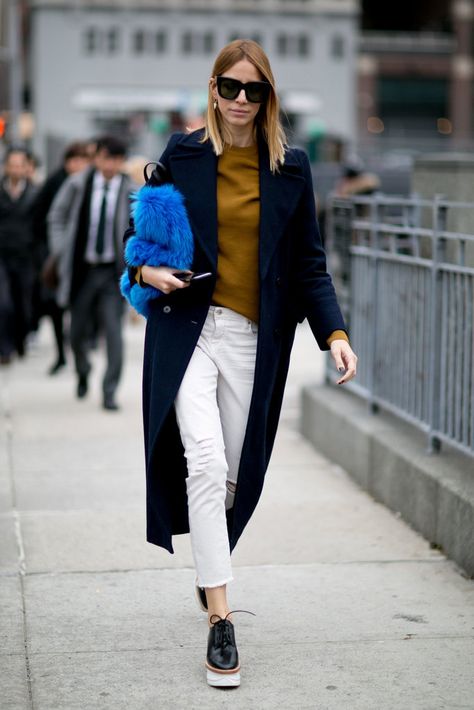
(163, 237)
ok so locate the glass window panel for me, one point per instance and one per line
(160, 41)
(139, 42)
(338, 47)
(187, 42)
(282, 44)
(91, 40)
(208, 42)
(113, 40)
(303, 45)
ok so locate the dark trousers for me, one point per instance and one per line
(16, 290)
(98, 300)
(56, 313)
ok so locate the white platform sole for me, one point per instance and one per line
(223, 680)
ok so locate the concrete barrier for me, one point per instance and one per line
(388, 458)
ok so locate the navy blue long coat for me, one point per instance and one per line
(294, 284)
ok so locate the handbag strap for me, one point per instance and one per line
(159, 174)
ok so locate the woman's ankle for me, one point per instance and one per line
(218, 612)
(217, 605)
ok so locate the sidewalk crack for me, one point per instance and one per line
(8, 418)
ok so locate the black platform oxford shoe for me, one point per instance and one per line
(222, 662)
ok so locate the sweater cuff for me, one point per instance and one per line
(337, 335)
(138, 277)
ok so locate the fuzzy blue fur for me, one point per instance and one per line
(163, 237)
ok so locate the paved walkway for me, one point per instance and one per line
(354, 610)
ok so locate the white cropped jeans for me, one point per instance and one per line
(212, 409)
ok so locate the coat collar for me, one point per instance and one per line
(193, 167)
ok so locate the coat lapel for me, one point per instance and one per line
(194, 172)
(279, 195)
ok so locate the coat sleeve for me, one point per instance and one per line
(59, 214)
(316, 297)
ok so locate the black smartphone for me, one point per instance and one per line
(197, 276)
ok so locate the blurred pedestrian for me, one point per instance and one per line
(33, 170)
(217, 350)
(86, 224)
(17, 196)
(75, 160)
(356, 180)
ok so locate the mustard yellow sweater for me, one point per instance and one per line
(238, 220)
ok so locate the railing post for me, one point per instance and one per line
(374, 218)
(439, 225)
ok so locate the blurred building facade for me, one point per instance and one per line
(140, 67)
(379, 78)
(415, 76)
(3, 58)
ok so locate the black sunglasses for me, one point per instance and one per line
(256, 91)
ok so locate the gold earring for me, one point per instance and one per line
(215, 105)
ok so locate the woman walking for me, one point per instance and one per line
(217, 350)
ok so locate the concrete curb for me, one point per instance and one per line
(434, 493)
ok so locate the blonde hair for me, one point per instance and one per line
(267, 118)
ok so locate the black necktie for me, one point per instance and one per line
(99, 247)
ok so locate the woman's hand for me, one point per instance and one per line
(161, 277)
(345, 359)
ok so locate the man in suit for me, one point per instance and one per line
(86, 223)
(17, 196)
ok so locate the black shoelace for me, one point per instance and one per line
(223, 633)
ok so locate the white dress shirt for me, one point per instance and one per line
(108, 256)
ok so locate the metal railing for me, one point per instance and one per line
(406, 286)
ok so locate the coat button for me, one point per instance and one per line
(277, 332)
(167, 309)
(278, 281)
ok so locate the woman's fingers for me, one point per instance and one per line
(337, 355)
(162, 278)
(345, 359)
(349, 374)
(175, 283)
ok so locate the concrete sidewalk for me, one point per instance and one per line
(354, 611)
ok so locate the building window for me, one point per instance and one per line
(113, 40)
(197, 42)
(139, 42)
(147, 42)
(208, 42)
(282, 45)
(160, 41)
(303, 45)
(338, 47)
(187, 42)
(92, 40)
(410, 106)
(293, 45)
